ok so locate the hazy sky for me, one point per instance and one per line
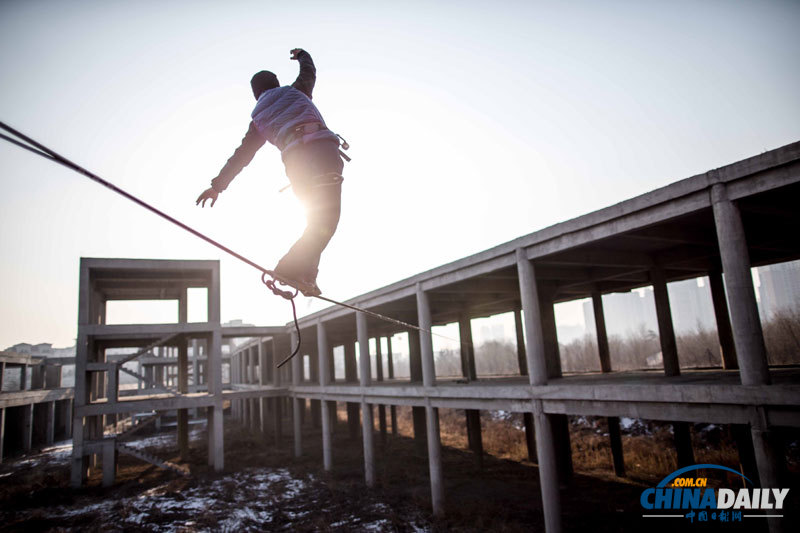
(471, 123)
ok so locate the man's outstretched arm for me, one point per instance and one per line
(308, 72)
(241, 158)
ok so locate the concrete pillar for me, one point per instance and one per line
(68, 418)
(112, 383)
(323, 359)
(473, 416)
(425, 339)
(183, 383)
(769, 455)
(23, 377)
(216, 420)
(615, 438)
(390, 371)
(435, 460)
(534, 339)
(280, 345)
(431, 413)
(537, 366)
(50, 429)
(683, 443)
(415, 367)
(350, 375)
(296, 408)
(748, 336)
(109, 462)
(614, 433)
(27, 427)
(2, 375)
(724, 331)
(263, 380)
(520, 334)
(365, 380)
(559, 423)
(467, 349)
(2, 431)
(527, 418)
(666, 332)
(602, 336)
(379, 375)
(548, 471)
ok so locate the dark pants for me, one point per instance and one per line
(314, 171)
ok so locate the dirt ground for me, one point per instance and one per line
(265, 488)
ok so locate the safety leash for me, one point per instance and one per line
(45, 152)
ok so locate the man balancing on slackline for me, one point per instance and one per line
(286, 117)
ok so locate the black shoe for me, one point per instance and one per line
(304, 281)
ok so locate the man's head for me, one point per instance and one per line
(263, 81)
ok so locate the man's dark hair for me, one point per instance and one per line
(263, 81)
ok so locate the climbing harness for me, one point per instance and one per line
(42, 151)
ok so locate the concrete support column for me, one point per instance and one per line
(431, 413)
(281, 345)
(183, 377)
(724, 331)
(351, 376)
(748, 336)
(559, 423)
(769, 458)
(323, 359)
(50, 429)
(548, 470)
(379, 374)
(527, 418)
(27, 427)
(2, 375)
(425, 339)
(669, 352)
(215, 424)
(297, 422)
(435, 459)
(666, 332)
(602, 336)
(615, 438)
(109, 462)
(365, 380)
(415, 367)
(473, 416)
(2, 431)
(23, 377)
(683, 443)
(263, 379)
(614, 433)
(537, 366)
(390, 371)
(532, 320)
(68, 418)
(744, 446)
(520, 335)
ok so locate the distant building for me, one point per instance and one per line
(44, 349)
(625, 312)
(779, 288)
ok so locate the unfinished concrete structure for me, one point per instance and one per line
(39, 411)
(716, 224)
(162, 352)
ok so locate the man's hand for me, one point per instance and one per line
(295, 52)
(208, 194)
